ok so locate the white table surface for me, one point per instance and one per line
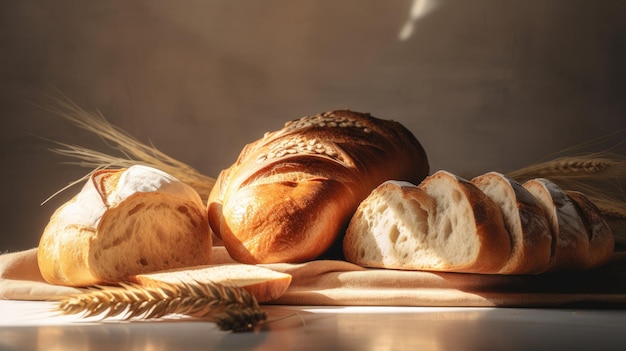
(26, 325)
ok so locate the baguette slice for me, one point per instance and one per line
(444, 224)
(266, 285)
(601, 239)
(528, 227)
(570, 237)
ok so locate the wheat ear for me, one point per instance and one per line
(133, 151)
(231, 308)
(600, 176)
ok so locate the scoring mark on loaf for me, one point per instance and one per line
(302, 145)
(136, 209)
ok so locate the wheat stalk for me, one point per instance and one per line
(133, 151)
(599, 176)
(231, 308)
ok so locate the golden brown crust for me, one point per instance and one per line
(63, 262)
(290, 194)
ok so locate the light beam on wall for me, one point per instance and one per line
(419, 9)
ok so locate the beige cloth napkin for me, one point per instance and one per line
(340, 283)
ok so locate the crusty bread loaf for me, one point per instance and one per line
(525, 221)
(266, 285)
(124, 222)
(444, 224)
(492, 225)
(290, 194)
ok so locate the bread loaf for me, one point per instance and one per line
(124, 222)
(492, 225)
(289, 195)
(444, 224)
(266, 285)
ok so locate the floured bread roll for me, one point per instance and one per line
(124, 222)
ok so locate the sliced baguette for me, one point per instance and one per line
(444, 224)
(570, 238)
(265, 284)
(525, 221)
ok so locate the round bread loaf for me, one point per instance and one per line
(124, 222)
(290, 195)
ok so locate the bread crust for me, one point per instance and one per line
(63, 262)
(601, 239)
(307, 178)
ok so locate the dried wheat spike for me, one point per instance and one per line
(231, 308)
(131, 149)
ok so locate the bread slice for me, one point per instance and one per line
(525, 221)
(444, 224)
(601, 239)
(265, 284)
(570, 238)
(390, 229)
(124, 222)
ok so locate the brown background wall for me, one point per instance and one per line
(484, 84)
